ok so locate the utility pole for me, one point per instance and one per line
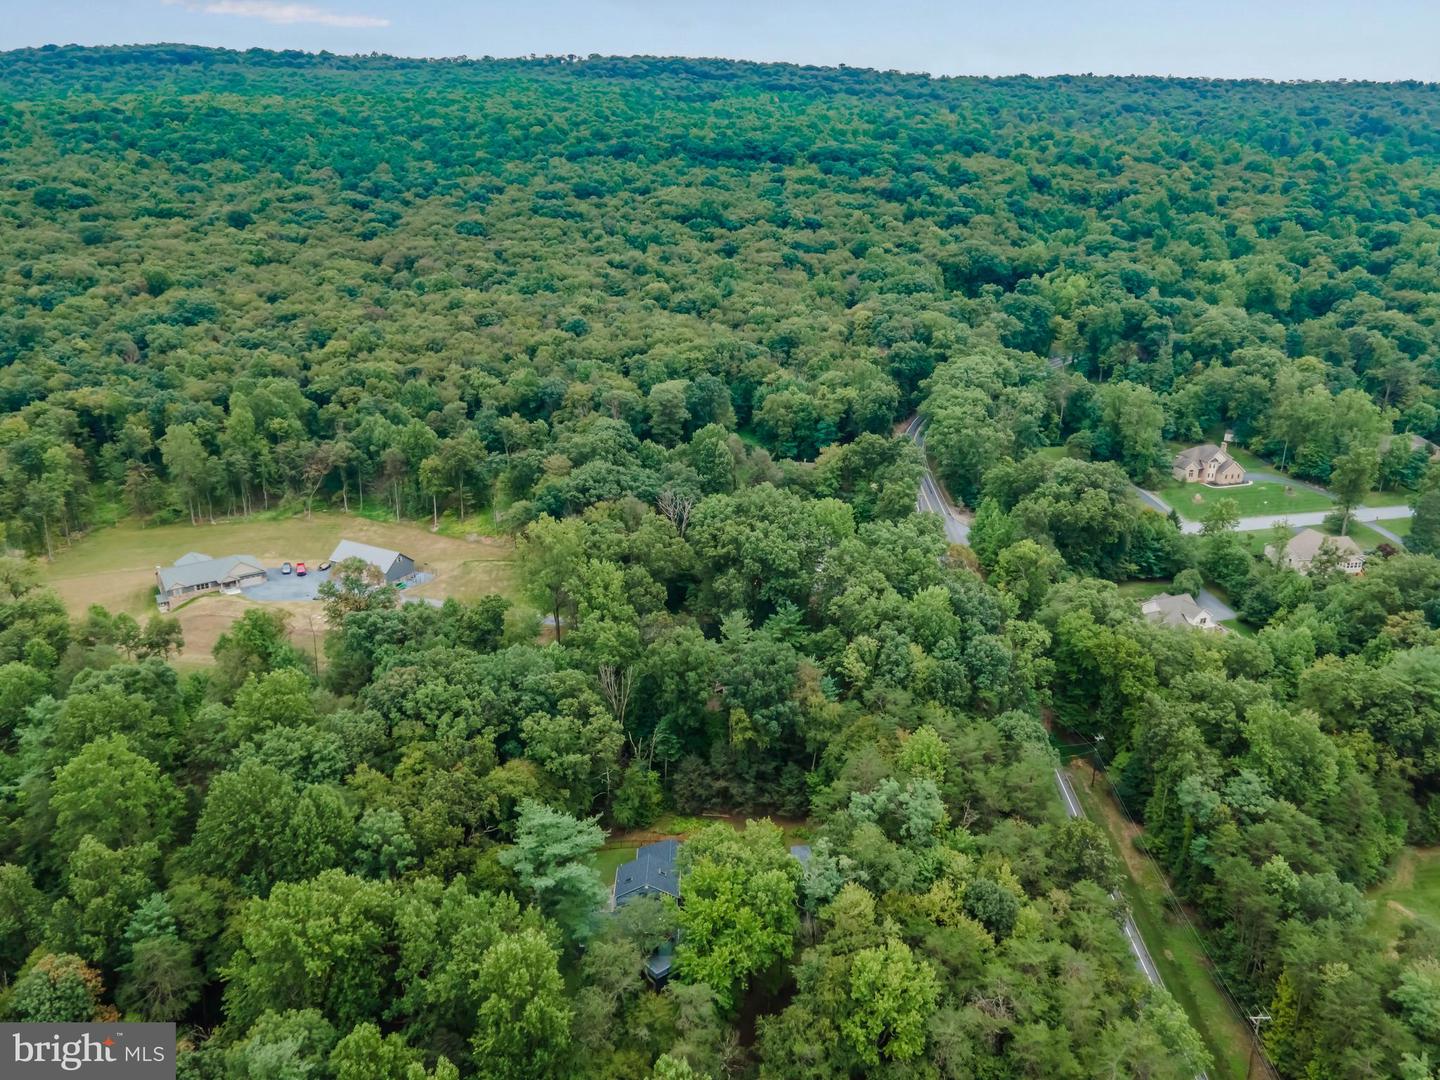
(1099, 762)
(1255, 1021)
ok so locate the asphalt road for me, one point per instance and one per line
(931, 499)
(1266, 521)
(957, 529)
(1132, 933)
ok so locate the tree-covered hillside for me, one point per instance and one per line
(658, 320)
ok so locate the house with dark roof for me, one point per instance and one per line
(1208, 464)
(195, 573)
(393, 565)
(651, 873)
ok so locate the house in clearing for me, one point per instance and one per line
(1178, 610)
(393, 565)
(195, 573)
(1208, 464)
(1308, 544)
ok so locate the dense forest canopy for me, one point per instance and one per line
(659, 319)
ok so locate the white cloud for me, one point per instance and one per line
(273, 11)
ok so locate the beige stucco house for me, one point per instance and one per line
(1178, 610)
(1306, 545)
(1208, 464)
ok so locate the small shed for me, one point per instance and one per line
(393, 565)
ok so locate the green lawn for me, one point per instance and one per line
(1173, 946)
(610, 858)
(1143, 590)
(1261, 497)
(1412, 893)
(1399, 526)
(1251, 462)
(1387, 498)
(1248, 460)
(1364, 535)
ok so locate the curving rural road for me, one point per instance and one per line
(931, 499)
(957, 528)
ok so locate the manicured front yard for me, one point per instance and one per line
(1193, 501)
(1387, 498)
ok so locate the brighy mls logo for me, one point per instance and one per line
(114, 1051)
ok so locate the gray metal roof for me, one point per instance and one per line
(192, 557)
(384, 558)
(188, 573)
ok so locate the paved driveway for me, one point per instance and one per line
(1219, 610)
(280, 586)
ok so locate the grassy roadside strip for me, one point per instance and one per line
(1173, 947)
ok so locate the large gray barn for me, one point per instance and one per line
(394, 565)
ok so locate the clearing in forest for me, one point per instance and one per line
(115, 567)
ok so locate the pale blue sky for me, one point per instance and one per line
(1282, 39)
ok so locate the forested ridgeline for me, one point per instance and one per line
(659, 319)
(241, 278)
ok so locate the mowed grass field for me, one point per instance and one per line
(115, 567)
(1260, 497)
(1411, 893)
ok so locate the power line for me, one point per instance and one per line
(1215, 971)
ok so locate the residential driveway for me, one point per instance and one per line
(280, 586)
(1394, 538)
(1281, 478)
(1149, 498)
(1219, 610)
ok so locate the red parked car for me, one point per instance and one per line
(300, 570)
